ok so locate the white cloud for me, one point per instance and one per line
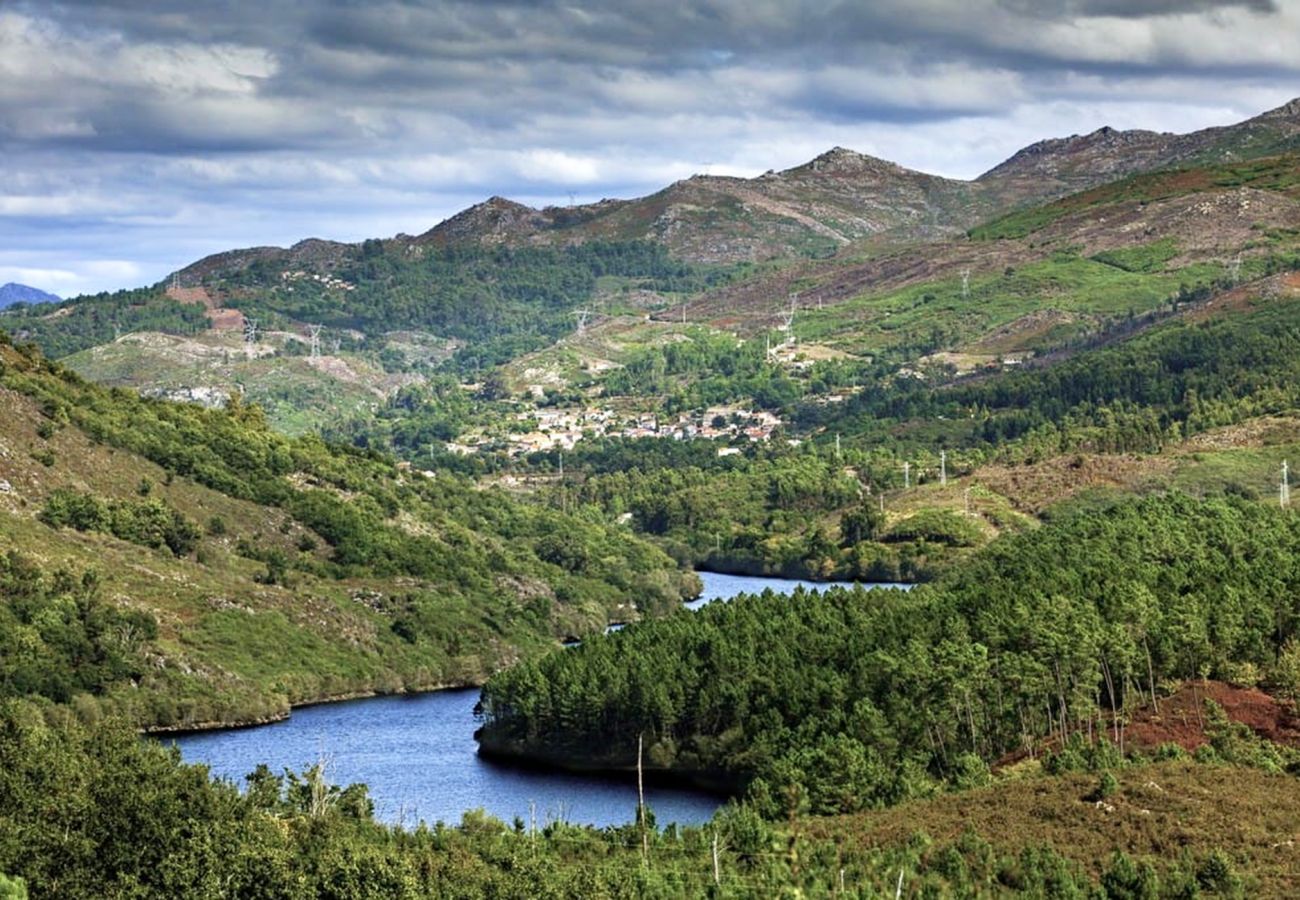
(161, 130)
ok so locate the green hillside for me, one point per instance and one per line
(224, 571)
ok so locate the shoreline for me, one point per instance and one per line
(714, 783)
(240, 725)
(706, 566)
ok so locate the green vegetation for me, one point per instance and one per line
(90, 811)
(855, 699)
(150, 523)
(1143, 258)
(780, 512)
(935, 315)
(506, 301)
(873, 734)
(59, 637)
(704, 370)
(326, 570)
(61, 329)
(412, 421)
(1178, 379)
(1277, 173)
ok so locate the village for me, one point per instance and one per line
(561, 429)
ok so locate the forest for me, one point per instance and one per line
(90, 811)
(61, 329)
(1178, 379)
(504, 301)
(851, 700)
(777, 511)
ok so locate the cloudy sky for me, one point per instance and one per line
(139, 135)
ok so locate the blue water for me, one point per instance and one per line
(418, 756)
(724, 587)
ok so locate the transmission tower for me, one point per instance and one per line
(788, 319)
(1284, 491)
(1234, 269)
(314, 332)
(583, 316)
(250, 335)
(943, 467)
(907, 474)
(965, 283)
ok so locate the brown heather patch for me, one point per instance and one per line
(1034, 487)
(1181, 719)
(1159, 813)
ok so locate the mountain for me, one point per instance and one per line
(842, 196)
(1080, 161)
(13, 292)
(809, 210)
(837, 199)
(1045, 265)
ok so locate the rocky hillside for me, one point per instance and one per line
(1041, 275)
(839, 198)
(842, 197)
(810, 210)
(1080, 161)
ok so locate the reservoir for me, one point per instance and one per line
(417, 755)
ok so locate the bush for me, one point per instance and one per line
(150, 523)
(937, 526)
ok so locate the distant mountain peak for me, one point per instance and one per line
(495, 218)
(842, 160)
(13, 292)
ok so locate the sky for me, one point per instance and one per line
(137, 136)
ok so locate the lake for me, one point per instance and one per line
(418, 756)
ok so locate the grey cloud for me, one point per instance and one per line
(240, 111)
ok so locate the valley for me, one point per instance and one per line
(1060, 401)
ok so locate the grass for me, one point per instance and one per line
(231, 648)
(936, 314)
(297, 398)
(1160, 813)
(1279, 173)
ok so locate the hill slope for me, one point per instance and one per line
(263, 571)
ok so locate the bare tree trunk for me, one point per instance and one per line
(640, 803)
(1110, 689)
(1151, 677)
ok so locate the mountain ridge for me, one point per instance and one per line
(13, 292)
(837, 198)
